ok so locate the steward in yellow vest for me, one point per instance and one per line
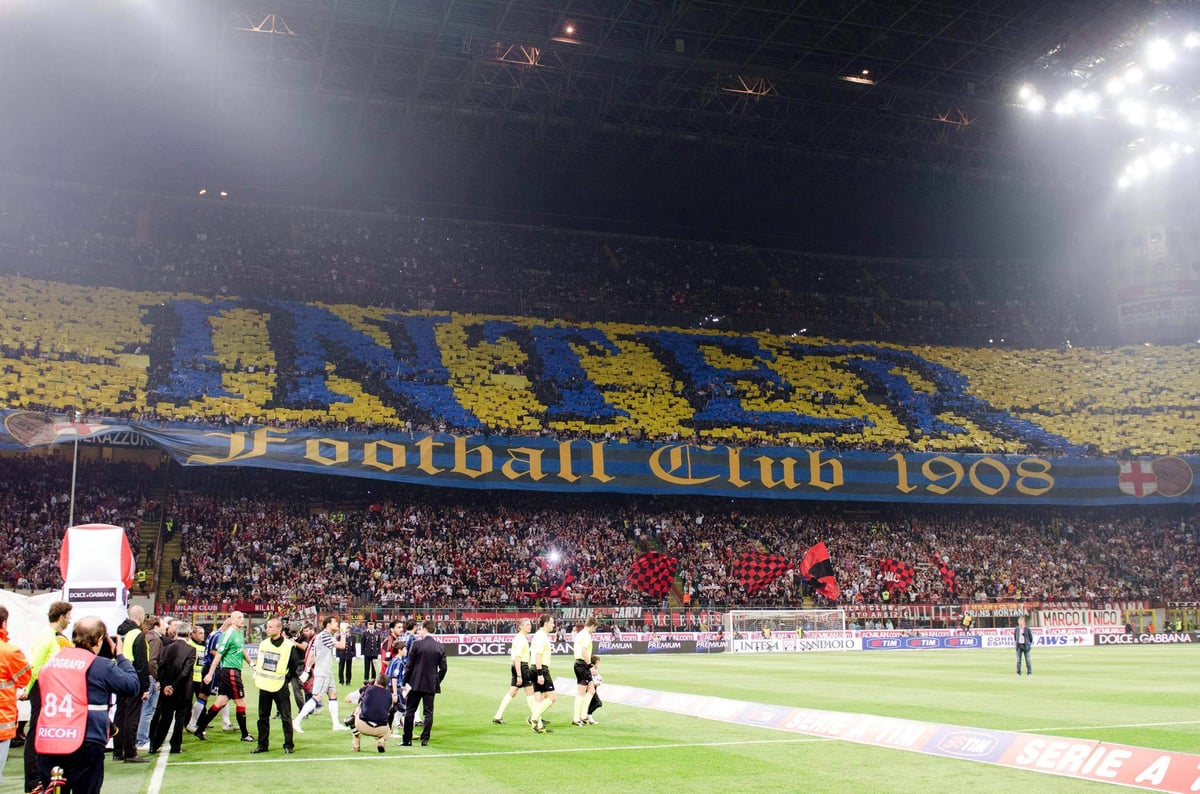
(196, 640)
(278, 659)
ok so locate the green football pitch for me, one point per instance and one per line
(1144, 696)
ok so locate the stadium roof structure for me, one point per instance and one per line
(870, 82)
(826, 92)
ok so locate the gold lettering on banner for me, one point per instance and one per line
(532, 461)
(398, 454)
(815, 464)
(312, 451)
(426, 448)
(767, 478)
(955, 473)
(598, 472)
(735, 468)
(902, 474)
(460, 458)
(259, 439)
(566, 467)
(1036, 470)
(677, 459)
(995, 466)
(566, 470)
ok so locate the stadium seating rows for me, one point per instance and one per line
(83, 235)
(148, 355)
(454, 548)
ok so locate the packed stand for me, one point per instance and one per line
(151, 357)
(214, 247)
(440, 548)
(35, 505)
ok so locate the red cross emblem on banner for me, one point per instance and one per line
(1137, 478)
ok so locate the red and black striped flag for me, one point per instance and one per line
(816, 565)
(948, 575)
(896, 575)
(653, 573)
(755, 570)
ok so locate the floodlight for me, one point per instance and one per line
(1134, 75)
(1036, 103)
(1115, 86)
(1089, 102)
(1192, 40)
(203, 191)
(1159, 54)
(1124, 182)
(1160, 158)
(1027, 92)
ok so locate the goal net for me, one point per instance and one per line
(775, 630)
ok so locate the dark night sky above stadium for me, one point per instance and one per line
(631, 122)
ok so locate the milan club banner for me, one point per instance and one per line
(544, 464)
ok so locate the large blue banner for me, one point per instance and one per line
(545, 464)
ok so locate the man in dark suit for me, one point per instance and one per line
(176, 663)
(1024, 641)
(423, 676)
(371, 643)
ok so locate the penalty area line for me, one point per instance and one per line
(485, 753)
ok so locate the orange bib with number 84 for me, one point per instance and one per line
(62, 723)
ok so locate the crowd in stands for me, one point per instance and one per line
(267, 536)
(215, 247)
(516, 376)
(35, 505)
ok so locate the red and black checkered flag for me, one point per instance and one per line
(816, 565)
(557, 591)
(755, 570)
(653, 573)
(896, 575)
(947, 573)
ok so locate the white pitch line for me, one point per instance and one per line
(1103, 727)
(160, 769)
(615, 748)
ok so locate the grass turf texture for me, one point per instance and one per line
(1076, 692)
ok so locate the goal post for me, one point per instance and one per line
(775, 630)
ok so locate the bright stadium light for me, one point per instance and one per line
(1124, 182)
(1160, 158)
(1115, 86)
(1089, 102)
(1134, 75)
(1192, 40)
(1036, 103)
(1159, 54)
(1026, 92)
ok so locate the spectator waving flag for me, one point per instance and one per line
(556, 591)
(653, 573)
(755, 570)
(947, 573)
(896, 575)
(816, 565)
